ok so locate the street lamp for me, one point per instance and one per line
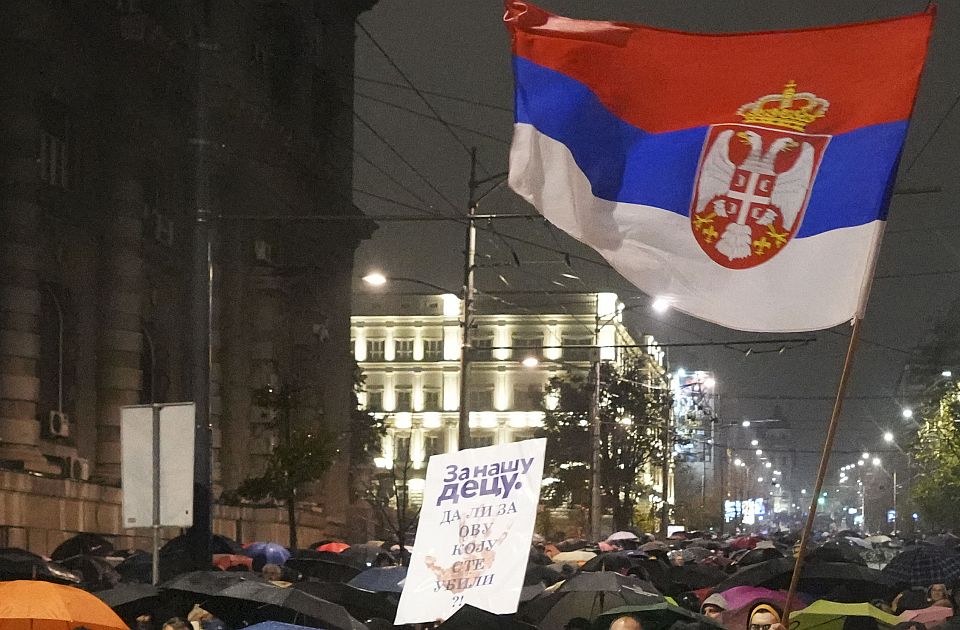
(907, 413)
(888, 437)
(660, 305)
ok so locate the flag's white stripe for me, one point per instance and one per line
(814, 283)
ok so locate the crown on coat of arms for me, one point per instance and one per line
(790, 109)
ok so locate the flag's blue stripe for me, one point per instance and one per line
(624, 163)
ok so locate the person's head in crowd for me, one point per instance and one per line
(578, 623)
(625, 623)
(939, 595)
(713, 606)
(384, 559)
(176, 623)
(271, 572)
(763, 617)
(615, 563)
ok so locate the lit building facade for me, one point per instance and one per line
(409, 345)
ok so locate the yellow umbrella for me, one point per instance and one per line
(34, 605)
(573, 557)
(827, 615)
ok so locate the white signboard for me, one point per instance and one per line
(175, 469)
(476, 525)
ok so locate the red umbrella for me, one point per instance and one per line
(335, 547)
(744, 542)
(227, 561)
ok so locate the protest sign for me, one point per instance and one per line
(476, 524)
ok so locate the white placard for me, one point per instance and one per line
(175, 470)
(476, 525)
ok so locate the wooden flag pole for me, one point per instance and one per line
(822, 472)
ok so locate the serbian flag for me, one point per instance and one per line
(744, 178)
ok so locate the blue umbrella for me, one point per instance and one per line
(380, 580)
(267, 553)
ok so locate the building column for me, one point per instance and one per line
(19, 290)
(121, 340)
(19, 339)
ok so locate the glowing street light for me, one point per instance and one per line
(710, 383)
(754, 442)
(530, 362)
(865, 455)
(768, 465)
(888, 437)
(907, 412)
(375, 278)
(660, 305)
(745, 423)
(738, 462)
(877, 461)
(759, 451)
(946, 374)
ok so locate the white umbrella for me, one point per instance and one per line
(622, 536)
(878, 539)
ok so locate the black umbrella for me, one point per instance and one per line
(83, 545)
(587, 595)
(251, 601)
(218, 544)
(361, 604)
(138, 567)
(130, 601)
(836, 552)
(20, 564)
(614, 561)
(381, 580)
(96, 572)
(470, 618)
(691, 577)
(209, 582)
(923, 565)
(758, 555)
(859, 583)
(329, 570)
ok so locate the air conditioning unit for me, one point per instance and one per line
(77, 468)
(58, 424)
(263, 251)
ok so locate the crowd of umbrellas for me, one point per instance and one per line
(847, 583)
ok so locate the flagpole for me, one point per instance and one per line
(822, 472)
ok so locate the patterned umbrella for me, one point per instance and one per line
(923, 565)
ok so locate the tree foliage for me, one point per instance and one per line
(388, 494)
(937, 454)
(632, 411)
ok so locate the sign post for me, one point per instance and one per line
(157, 468)
(476, 525)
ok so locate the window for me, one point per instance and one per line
(432, 445)
(375, 400)
(481, 399)
(527, 398)
(431, 400)
(482, 349)
(404, 398)
(578, 353)
(375, 349)
(476, 441)
(433, 349)
(401, 448)
(404, 350)
(527, 344)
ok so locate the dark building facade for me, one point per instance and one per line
(120, 118)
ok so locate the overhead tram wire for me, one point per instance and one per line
(414, 112)
(423, 98)
(502, 108)
(404, 160)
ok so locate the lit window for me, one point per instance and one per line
(433, 349)
(375, 349)
(404, 350)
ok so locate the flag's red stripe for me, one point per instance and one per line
(663, 80)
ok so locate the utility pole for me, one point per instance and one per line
(469, 268)
(665, 474)
(596, 497)
(201, 311)
(469, 289)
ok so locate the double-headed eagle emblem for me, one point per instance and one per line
(755, 178)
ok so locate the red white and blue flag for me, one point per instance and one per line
(745, 178)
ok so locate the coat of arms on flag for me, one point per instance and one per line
(754, 179)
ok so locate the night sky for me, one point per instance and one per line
(456, 53)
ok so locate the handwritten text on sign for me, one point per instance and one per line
(473, 539)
